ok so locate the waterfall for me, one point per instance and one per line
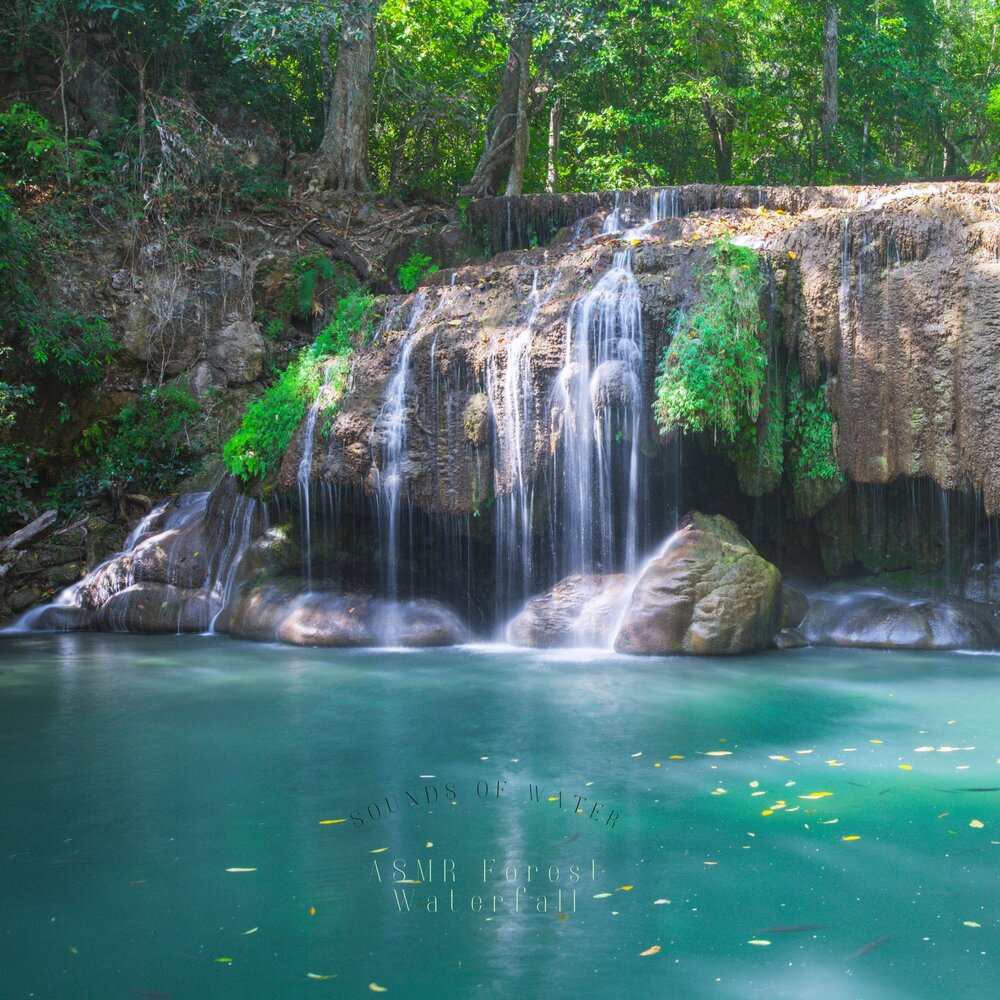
(177, 570)
(599, 394)
(513, 400)
(391, 427)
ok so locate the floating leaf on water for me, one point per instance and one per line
(655, 950)
(316, 975)
(755, 784)
(375, 988)
(718, 791)
(853, 836)
(767, 812)
(660, 902)
(553, 798)
(330, 822)
(778, 757)
(379, 850)
(718, 753)
(816, 795)
(225, 961)
(602, 895)
(976, 824)
(253, 930)
(970, 923)
(803, 751)
(905, 767)
(241, 869)
(312, 911)
(639, 754)
(875, 741)
(758, 941)
(676, 756)
(827, 822)
(429, 843)
(922, 749)
(710, 862)
(625, 888)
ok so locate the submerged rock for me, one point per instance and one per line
(708, 592)
(577, 611)
(880, 620)
(333, 618)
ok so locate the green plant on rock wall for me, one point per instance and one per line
(810, 434)
(416, 267)
(270, 422)
(759, 449)
(712, 374)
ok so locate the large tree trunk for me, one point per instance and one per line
(555, 125)
(342, 157)
(515, 181)
(721, 125)
(828, 115)
(494, 165)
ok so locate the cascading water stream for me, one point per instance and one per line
(392, 425)
(599, 393)
(513, 400)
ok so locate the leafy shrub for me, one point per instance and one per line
(416, 267)
(73, 348)
(16, 478)
(270, 422)
(147, 445)
(712, 374)
(810, 432)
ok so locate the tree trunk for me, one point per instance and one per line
(828, 115)
(342, 157)
(498, 154)
(721, 128)
(555, 124)
(515, 181)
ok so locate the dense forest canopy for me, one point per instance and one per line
(635, 92)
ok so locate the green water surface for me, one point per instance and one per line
(134, 771)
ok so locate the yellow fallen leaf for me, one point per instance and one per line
(827, 822)
(316, 975)
(379, 850)
(312, 911)
(375, 988)
(676, 756)
(767, 812)
(792, 254)
(970, 923)
(241, 869)
(816, 795)
(976, 824)
(330, 822)
(655, 950)
(853, 836)
(874, 741)
(718, 753)
(553, 798)
(253, 930)
(758, 941)
(775, 757)
(905, 767)
(625, 888)
(429, 843)
(718, 791)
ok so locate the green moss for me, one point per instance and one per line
(256, 449)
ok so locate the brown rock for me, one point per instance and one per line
(709, 593)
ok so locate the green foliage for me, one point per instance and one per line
(270, 422)
(73, 348)
(759, 449)
(712, 374)
(416, 267)
(810, 433)
(16, 479)
(147, 445)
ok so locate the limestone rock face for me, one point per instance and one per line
(708, 593)
(577, 611)
(877, 619)
(238, 350)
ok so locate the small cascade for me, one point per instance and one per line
(391, 427)
(513, 400)
(599, 393)
(176, 572)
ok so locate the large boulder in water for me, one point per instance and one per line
(577, 611)
(708, 592)
(880, 620)
(154, 607)
(275, 613)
